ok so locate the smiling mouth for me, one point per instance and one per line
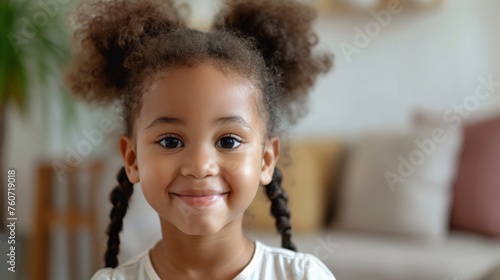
(200, 200)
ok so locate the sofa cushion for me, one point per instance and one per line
(308, 171)
(356, 255)
(477, 188)
(398, 182)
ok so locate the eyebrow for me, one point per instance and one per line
(165, 120)
(233, 119)
(222, 120)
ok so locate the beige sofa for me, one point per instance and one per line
(315, 180)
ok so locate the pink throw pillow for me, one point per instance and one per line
(476, 193)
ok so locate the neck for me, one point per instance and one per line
(219, 256)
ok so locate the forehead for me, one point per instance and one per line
(200, 93)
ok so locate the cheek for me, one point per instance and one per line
(244, 174)
(153, 174)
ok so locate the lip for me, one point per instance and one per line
(202, 200)
(201, 192)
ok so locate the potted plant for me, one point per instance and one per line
(33, 50)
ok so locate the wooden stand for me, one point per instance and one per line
(47, 217)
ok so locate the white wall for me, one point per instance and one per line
(430, 59)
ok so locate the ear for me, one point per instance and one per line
(129, 156)
(269, 160)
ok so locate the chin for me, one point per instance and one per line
(195, 224)
(199, 229)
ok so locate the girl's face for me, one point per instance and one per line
(200, 149)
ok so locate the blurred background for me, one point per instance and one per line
(394, 172)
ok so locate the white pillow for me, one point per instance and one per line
(394, 185)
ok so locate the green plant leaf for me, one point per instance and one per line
(33, 61)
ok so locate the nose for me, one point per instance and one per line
(200, 162)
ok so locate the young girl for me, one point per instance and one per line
(203, 112)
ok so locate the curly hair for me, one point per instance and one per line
(119, 46)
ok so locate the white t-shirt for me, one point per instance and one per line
(267, 263)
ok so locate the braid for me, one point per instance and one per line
(279, 209)
(119, 197)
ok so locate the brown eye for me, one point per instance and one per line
(171, 142)
(228, 142)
